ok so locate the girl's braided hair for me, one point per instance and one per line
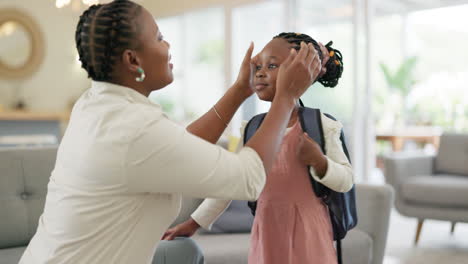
(334, 65)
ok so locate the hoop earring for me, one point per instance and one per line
(142, 75)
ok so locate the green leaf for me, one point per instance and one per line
(387, 73)
(403, 79)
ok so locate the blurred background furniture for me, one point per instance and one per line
(22, 128)
(365, 244)
(427, 135)
(24, 175)
(25, 172)
(432, 187)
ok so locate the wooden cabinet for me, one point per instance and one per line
(21, 128)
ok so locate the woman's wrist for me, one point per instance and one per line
(193, 223)
(284, 100)
(240, 91)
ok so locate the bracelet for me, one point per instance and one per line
(216, 111)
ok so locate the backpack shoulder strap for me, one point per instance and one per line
(311, 122)
(252, 126)
(250, 129)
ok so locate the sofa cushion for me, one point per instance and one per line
(224, 248)
(236, 219)
(357, 247)
(234, 248)
(24, 174)
(11, 255)
(453, 155)
(441, 190)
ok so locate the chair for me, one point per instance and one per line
(432, 187)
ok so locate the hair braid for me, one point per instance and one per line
(82, 38)
(334, 65)
(103, 33)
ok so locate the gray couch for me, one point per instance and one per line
(363, 245)
(432, 187)
(24, 175)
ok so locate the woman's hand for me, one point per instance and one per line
(326, 57)
(186, 229)
(311, 154)
(298, 72)
(244, 80)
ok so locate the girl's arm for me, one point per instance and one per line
(332, 170)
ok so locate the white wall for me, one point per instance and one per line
(163, 8)
(59, 79)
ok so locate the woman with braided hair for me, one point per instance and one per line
(122, 165)
(292, 225)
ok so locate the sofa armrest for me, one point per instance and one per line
(374, 203)
(399, 167)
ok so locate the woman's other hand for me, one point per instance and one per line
(185, 229)
(244, 80)
(298, 72)
(326, 57)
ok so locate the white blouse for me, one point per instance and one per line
(121, 169)
(339, 176)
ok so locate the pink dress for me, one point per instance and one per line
(292, 225)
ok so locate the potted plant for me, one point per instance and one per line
(400, 83)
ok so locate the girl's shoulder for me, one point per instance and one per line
(330, 125)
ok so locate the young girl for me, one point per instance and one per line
(292, 225)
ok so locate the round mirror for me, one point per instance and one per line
(21, 47)
(15, 44)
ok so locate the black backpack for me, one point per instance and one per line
(341, 206)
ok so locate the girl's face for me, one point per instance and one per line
(266, 65)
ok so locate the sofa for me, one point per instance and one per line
(24, 174)
(432, 187)
(365, 244)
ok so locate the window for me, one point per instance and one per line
(326, 23)
(198, 56)
(428, 46)
(258, 23)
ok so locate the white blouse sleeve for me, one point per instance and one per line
(339, 176)
(164, 157)
(208, 211)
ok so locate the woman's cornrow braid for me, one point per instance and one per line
(110, 29)
(82, 39)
